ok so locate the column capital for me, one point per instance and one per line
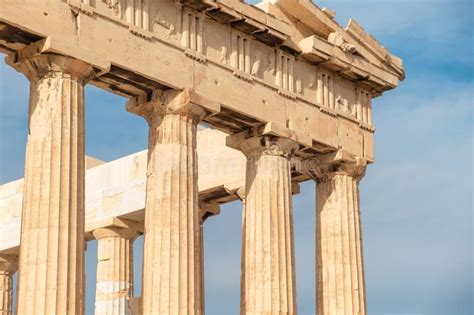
(268, 145)
(268, 139)
(105, 232)
(8, 263)
(47, 65)
(113, 222)
(164, 102)
(325, 166)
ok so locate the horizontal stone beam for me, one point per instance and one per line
(115, 191)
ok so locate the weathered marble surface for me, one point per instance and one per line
(268, 280)
(51, 264)
(172, 244)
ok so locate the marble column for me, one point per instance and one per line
(8, 267)
(268, 263)
(339, 263)
(114, 286)
(51, 264)
(172, 244)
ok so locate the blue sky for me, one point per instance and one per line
(416, 199)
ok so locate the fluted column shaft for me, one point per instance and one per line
(114, 286)
(8, 267)
(268, 264)
(51, 265)
(339, 263)
(172, 245)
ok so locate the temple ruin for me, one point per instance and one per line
(287, 95)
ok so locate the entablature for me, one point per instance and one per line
(252, 82)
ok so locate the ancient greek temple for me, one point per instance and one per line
(286, 95)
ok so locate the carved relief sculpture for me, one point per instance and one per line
(223, 55)
(271, 62)
(114, 5)
(256, 64)
(337, 39)
(299, 87)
